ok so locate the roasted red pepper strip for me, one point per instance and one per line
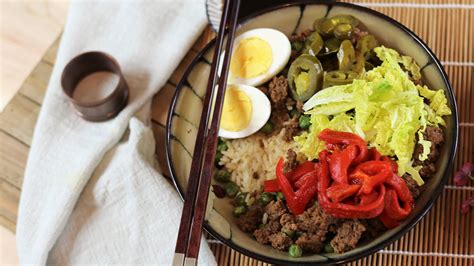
(387, 221)
(374, 155)
(371, 174)
(345, 138)
(393, 208)
(392, 163)
(308, 188)
(340, 192)
(366, 199)
(296, 201)
(396, 193)
(271, 185)
(398, 184)
(300, 170)
(293, 204)
(305, 178)
(285, 185)
(342, 210)
(293, 176)
(340, 162)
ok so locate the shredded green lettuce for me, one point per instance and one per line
(384, 107)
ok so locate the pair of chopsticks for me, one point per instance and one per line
(192, 217)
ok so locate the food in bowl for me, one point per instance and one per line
(352, 137)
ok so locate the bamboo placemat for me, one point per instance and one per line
(443, 237)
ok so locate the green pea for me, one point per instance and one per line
(239, 200)
(295, 251)
(304, 122)
(265, 198)
(218, 158)
(328, 248)
(267, 128)
(222, 175)
(344, 31)
(231, 189)
(222, 146)
(239, 210)
(288, 232)
(346, 55)
(295, 113)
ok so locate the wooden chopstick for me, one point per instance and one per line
(189, 233)
(210, 152)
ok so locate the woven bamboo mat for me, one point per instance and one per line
(443, 237)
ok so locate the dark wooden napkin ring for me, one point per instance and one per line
(80, 67)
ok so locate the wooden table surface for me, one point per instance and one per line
(442, 237)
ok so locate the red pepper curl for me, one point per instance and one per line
(345, 138)
(351, 182)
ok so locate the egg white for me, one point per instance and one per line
(261, 111)
(281, 51)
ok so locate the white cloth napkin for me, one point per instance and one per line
(127, 212)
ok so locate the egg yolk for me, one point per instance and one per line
(252, 58)
(237, 110)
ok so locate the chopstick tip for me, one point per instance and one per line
(178, 259)
(190, 262)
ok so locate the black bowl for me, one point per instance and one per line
(291, 18)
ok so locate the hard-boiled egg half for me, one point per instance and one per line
(258, 55)
(245, 110)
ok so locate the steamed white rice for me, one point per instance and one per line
(252, 160)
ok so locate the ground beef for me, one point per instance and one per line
(436, 137)
(306, 33)
(312, 242)
(262, 235)
(374, 228)
(310, 229)
(299, 106)
(358, 34)
(281, 102)
(434, 134)
(288, 223)
(296, 38)
(314, 223)
(418, 82)
(348, 235)
(275, 209)
(250, 220)
(279, 117)
(280, 241)
(415, 190)
(278, 89)
(290, 162)
(291, 128)
(314, 220)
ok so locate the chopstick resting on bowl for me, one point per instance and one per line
(192, 217)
